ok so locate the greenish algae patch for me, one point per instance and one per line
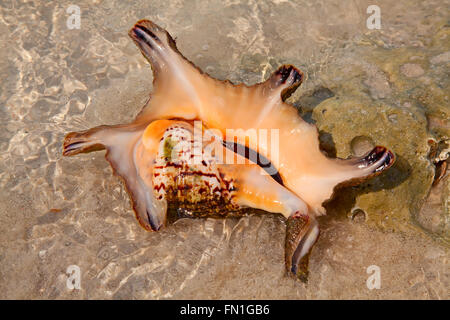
(398, 98)
(393, 199)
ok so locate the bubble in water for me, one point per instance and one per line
(360, 145)
(358, 215)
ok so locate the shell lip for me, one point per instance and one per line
(155, 226)
(388, 162)
(379, 153)
(262, 161)
(141, 33)
(380, 156)
(384, 156)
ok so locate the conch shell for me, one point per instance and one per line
(163, 161)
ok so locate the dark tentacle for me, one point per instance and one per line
(302, 232)
(286, 78)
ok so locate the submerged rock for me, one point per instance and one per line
(411, 70)
(392, 199)
(434, 214)
(410, 116)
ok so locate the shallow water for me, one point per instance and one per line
(56, 212)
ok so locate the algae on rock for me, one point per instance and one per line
(391, 199)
